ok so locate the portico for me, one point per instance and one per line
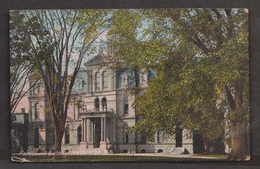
(96, 130)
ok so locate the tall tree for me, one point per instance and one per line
(20, 68)
(59, 40)
(124, 50)
(201, 57)
(222, 36)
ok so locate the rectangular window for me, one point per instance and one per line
(67, 135)
(104, 80)
(97, 81)
(126, 108)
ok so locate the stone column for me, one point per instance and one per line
(93, 131)
(88, 136)
(103, 144)
(88, 131)
(105, 124)
(102, 129)
(83, 144)
(83, 131)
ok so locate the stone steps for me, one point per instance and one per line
(89, 151)
(179, 150)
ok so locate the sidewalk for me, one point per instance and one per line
(188, 156)
(195, 156)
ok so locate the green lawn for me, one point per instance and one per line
(118, 158)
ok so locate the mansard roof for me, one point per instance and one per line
(96, 60)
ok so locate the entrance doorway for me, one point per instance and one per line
(198, 146)
(179, 137)
(96, 132)
(36, 137)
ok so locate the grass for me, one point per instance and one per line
(120, 158)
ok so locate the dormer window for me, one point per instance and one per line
(80, 84)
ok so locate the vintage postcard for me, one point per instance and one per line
(129, 85)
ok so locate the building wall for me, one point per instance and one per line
(85, 91)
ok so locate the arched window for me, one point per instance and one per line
(36, 110)
(143, 151)
(160, 151)
(36, 137)
(104, 103)
(104, 80)
(96, 104)
(97, 81)
(79, 131)
(67, 135)
(126, 108)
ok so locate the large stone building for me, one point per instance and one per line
(99, 116)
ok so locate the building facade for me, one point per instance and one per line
(99, 116)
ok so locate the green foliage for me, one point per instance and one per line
(20, 68)
(195, 52)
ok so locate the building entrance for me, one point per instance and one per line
(95, 129)
(96, 132)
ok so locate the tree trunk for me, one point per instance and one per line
(238, 127)
(238, 141)
(58, 134)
